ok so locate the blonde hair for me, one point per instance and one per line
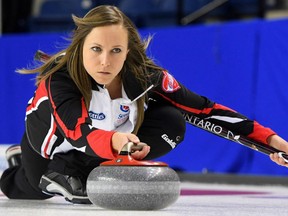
(136, 62)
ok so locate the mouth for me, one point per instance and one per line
(104, 72)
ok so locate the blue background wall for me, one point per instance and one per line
(242, 65)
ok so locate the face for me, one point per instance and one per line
(104, 52)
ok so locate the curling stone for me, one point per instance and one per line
(128, 184)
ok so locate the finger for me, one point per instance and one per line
(282, 161)
(133, 138)
(274, 157)
(138, 155)
(138, 146)
(278, 160)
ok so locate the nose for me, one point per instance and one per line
(105, 60)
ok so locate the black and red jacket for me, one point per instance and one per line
(57, 118)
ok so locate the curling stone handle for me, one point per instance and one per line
(130, 147)
(125, 158)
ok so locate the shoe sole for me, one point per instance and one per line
(51, 188)
(12, 151)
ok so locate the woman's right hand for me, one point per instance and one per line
(120, 139)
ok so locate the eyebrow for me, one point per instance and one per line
(118, 45)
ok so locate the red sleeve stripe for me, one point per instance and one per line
(186, 108)
(72, 134)
(39, 97)
(48, 141)
(193, 110)
(33, 107)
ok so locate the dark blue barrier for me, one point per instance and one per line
(241, 65)
(17, 51)
(271, 100)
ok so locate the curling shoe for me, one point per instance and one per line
(13, 156)
(70, 187)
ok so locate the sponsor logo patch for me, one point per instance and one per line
(169, 84)
(123, 117)
(171, 142)
(97, 116)
(124, 108)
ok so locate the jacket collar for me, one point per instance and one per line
(132, 86)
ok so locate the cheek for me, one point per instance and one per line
(86, 66)
(121, 61)
(85, 61)
(89, 63)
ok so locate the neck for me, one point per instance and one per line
(115, 88)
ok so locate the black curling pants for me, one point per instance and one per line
(163, 128)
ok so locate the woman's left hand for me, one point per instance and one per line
(280, 144)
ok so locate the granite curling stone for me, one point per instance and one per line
(128, 184)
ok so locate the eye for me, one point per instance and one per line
(116, 50)
(96, 49)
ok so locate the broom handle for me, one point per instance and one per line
(227, 134)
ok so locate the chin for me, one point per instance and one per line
(101, 82)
